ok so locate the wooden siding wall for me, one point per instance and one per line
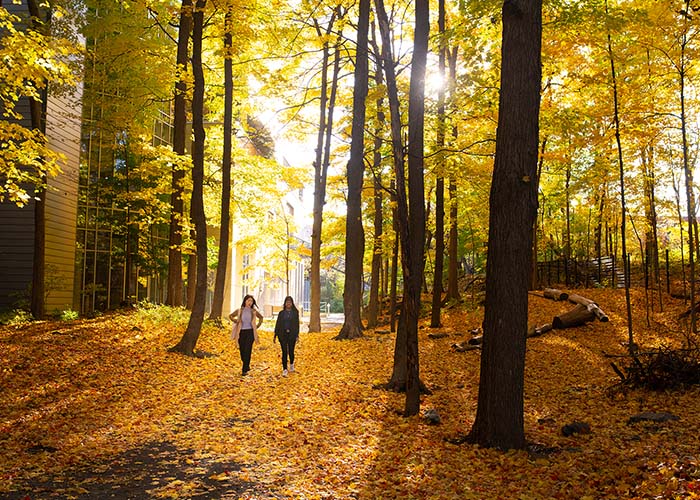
(63, 132)
(17, 224)
(16, 244)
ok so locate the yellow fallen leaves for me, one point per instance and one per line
(103, 387)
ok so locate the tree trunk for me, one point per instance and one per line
(177, 212)
(225, 231)
(513, 206)
(377, 253)
(440, 182)
(412, 226)
(189, 340)
(409, 221)
(398, 377)
(453, 257)
(355, 240)
(373, 307)
(534, 277)
(321, 168)
(394, 271)
(192, 268)
(687, 168)
(37, 110)
(623, 229)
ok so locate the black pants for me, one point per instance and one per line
(287, 341)
(245, 344)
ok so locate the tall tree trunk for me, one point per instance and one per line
(321, 168)
(174, 296)
(189, 340)
(37, 112)
(399, 373)
(397, 381)
(534, 277)
(623, 228)
(377, 253)
(687, 168)
(567, 235)
(225, 231)
(192, 267)
(453, 258)
(513, 206)
(651, 238)
(355, 240)
(412, 227)
(440, 182)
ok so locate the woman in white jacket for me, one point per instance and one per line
(246, 321)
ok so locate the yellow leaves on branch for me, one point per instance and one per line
(94, 389)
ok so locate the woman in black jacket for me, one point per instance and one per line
(287, 329)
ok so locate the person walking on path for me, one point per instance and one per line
(246, 321)
(287, 329)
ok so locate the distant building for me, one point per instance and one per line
(100, 254)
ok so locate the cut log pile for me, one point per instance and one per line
(584, 311)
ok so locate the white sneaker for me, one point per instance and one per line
(284, 373)
(291, 368)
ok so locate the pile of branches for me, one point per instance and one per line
(661, 369)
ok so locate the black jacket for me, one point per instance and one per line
(279, 325)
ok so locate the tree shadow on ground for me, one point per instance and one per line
(141, 473)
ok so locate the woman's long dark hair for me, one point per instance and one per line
(254, 305)
(294, 307)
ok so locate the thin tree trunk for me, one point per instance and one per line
(440, 182)
(37, 111)
(189, 340)
(373, 306)
(177, 212)
(398, 377)
(225, 230)
(623, 228)
(355, 241)
(534, 279)
(453, 257)
(399, 366)
(689, 192)
(321, 168)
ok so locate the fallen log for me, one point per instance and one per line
(554, 294)
(539, 330)
(577, 316)
(590, 305)
(464, 346)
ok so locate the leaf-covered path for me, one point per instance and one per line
(99, 409)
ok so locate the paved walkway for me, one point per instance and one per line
(328, 321)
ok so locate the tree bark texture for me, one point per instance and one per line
(174, 296)
(217, 303)
(413, 226)
(321, 168)
(440, 182)
(373, 307)
(355, 240)
(37, 111)
(189, 340)
(453, 258)
(499, 419)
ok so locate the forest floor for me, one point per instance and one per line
(98, 408)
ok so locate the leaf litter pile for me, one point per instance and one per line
(100, 409)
